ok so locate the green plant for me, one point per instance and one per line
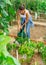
(44, 54)
(42, 50)
(28, 49)
(17, 4)
(7, 13)
(11, 47)
(5, 57)
(21, 39)
(36, 5)
(40, 45)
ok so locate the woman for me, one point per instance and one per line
(24, 20)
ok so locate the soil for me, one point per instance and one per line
(36, 59)
(38, 32)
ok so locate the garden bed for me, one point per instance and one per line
(35, 59)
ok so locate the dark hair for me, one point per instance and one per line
(21, 7)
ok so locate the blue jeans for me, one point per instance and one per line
(28, 25)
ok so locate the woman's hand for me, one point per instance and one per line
(19, 28)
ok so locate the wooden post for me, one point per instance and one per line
(17, 54)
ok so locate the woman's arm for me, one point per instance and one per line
(18, 20)
(27, 18)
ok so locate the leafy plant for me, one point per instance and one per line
(40, 45)
(5, 57)
(16, 4)
(28, 49)
(21, 39)
(42, 51)
(6, 14)
(11, 47)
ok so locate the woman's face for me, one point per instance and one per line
(22, 11)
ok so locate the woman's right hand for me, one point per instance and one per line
(20, 27)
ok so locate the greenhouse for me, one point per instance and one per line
(22, 32)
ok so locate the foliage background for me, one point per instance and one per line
(8, 10)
